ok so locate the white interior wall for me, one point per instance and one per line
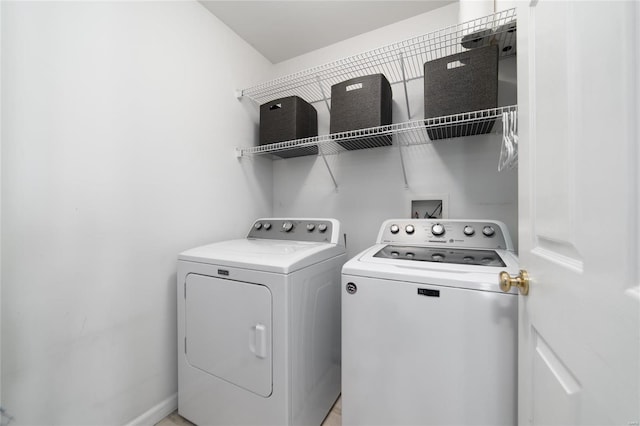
(0, 205)
(370, 184)
(119, 127)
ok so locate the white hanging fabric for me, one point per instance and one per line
(509, 151)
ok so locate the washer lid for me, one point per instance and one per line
(441, 255)
(263, 254)
(461, 275)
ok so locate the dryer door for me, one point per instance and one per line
(228, 331)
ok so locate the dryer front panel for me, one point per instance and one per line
(228, 331)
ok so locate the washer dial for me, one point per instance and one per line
(437, 229)
(488, 231)
(287, 226)
(468, 231)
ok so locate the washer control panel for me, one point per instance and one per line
(479, 234)
(312, 230)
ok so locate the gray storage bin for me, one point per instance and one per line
(288, 119)
(459, 83)
(477, 39)
(506, 37)
(360, 103)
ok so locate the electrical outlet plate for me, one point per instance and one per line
(430, 207)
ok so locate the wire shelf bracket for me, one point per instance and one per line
(324, 96)
(326, 163)
(404, 83)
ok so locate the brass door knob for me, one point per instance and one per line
(521, 281)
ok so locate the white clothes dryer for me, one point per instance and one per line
(428, 338)
(259, 325)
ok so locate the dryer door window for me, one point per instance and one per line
(228, 331)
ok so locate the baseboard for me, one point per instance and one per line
(156, 413)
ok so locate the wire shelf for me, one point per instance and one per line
(399, 62)
(417, 132)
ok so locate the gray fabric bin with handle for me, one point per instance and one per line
(459, 83)
(288, 119)
(360, 103)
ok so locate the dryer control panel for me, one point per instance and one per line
(296, 229)
(477, 234)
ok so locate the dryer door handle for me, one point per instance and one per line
(260, 340)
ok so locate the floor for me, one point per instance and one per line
(333, 419)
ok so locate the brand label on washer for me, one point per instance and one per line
(428, 292)
(351, 288)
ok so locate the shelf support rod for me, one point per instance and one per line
(404, 170)
(326, 100)
(328, 168)
(406, 92)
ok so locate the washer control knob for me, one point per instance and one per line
(322, 227)
(437, 229)
(488, 231)
(409, 229)
(394, 229)
(287, 226)
(311, 227)
(468, 231)
(258, 226)
(267, 226)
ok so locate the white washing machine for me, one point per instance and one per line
(259, 325)
(428, 338)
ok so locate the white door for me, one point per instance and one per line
(579, 325)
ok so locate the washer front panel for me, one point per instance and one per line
(423, 354)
